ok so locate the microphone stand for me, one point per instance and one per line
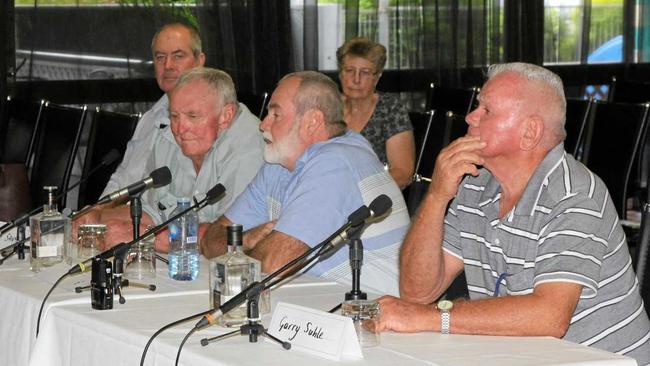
(120, 256)
(356, 261)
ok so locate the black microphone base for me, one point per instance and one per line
(356, 295)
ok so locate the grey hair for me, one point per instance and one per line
(218, 80)
(543, 76)
(317, 91)
(195, 37)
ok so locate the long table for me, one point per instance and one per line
(72, 333)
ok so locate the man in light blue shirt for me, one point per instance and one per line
(316, 174)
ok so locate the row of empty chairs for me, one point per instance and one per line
(44, 138)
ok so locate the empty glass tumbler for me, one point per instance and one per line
(141, 260)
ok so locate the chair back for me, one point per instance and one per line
(18, 130)
(642, 268)
(56, 145)
(457, 100)
(430, 131)
(612, 145)
(456, 127)
(108, 131)
(628, 91)
(14, 191)
(578, 120)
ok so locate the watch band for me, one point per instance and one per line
(445, 320)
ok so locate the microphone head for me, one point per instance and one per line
(380, 205)
(215, 193)
(110, 157)
(359, 216)
(161, 177)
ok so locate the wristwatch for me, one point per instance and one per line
(444, 307)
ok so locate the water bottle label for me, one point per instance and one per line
(192, 239)
(174, 231)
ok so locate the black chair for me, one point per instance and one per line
(431, 134)
(457, 100)
(18, 130)
(55, 148)
(628, 91)
(578, 120)
(108, 131)
(255, 103)
(612, 145)
(642, 263)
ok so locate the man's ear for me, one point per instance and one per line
(227, 116)
(313, 120)
(201, 59)
(533, 131)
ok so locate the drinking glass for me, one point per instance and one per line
(365, 315)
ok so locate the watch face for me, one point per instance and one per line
(445, 305)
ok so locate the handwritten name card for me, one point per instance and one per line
(317, 332)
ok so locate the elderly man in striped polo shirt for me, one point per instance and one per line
(535, 231)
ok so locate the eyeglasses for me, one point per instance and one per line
(363, 73)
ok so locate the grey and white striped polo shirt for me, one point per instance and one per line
(563, 229)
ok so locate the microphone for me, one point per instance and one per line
(158, 178)
(356, 219)
(108, 159)
(212, 196)
(380, 205)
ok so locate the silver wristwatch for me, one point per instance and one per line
(444, 307)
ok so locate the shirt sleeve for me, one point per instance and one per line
(451, 236)
(573, 243)
(323, 198)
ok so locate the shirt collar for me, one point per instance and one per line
(539, 180)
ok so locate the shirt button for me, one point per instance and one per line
(497, 241)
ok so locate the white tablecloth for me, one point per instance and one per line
(72, 333)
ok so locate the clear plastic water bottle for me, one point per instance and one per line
(184, 244)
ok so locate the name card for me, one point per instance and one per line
(317, 332)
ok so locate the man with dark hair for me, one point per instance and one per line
(176, 47)
(316, 174)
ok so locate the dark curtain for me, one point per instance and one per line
(6, 56)
(251, 40)
(446, 36)
(524, 31)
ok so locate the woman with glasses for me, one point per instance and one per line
(380, 117)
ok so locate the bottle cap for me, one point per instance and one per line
(235, 233)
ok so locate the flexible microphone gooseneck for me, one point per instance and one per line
(108, 159)
(211, 197)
